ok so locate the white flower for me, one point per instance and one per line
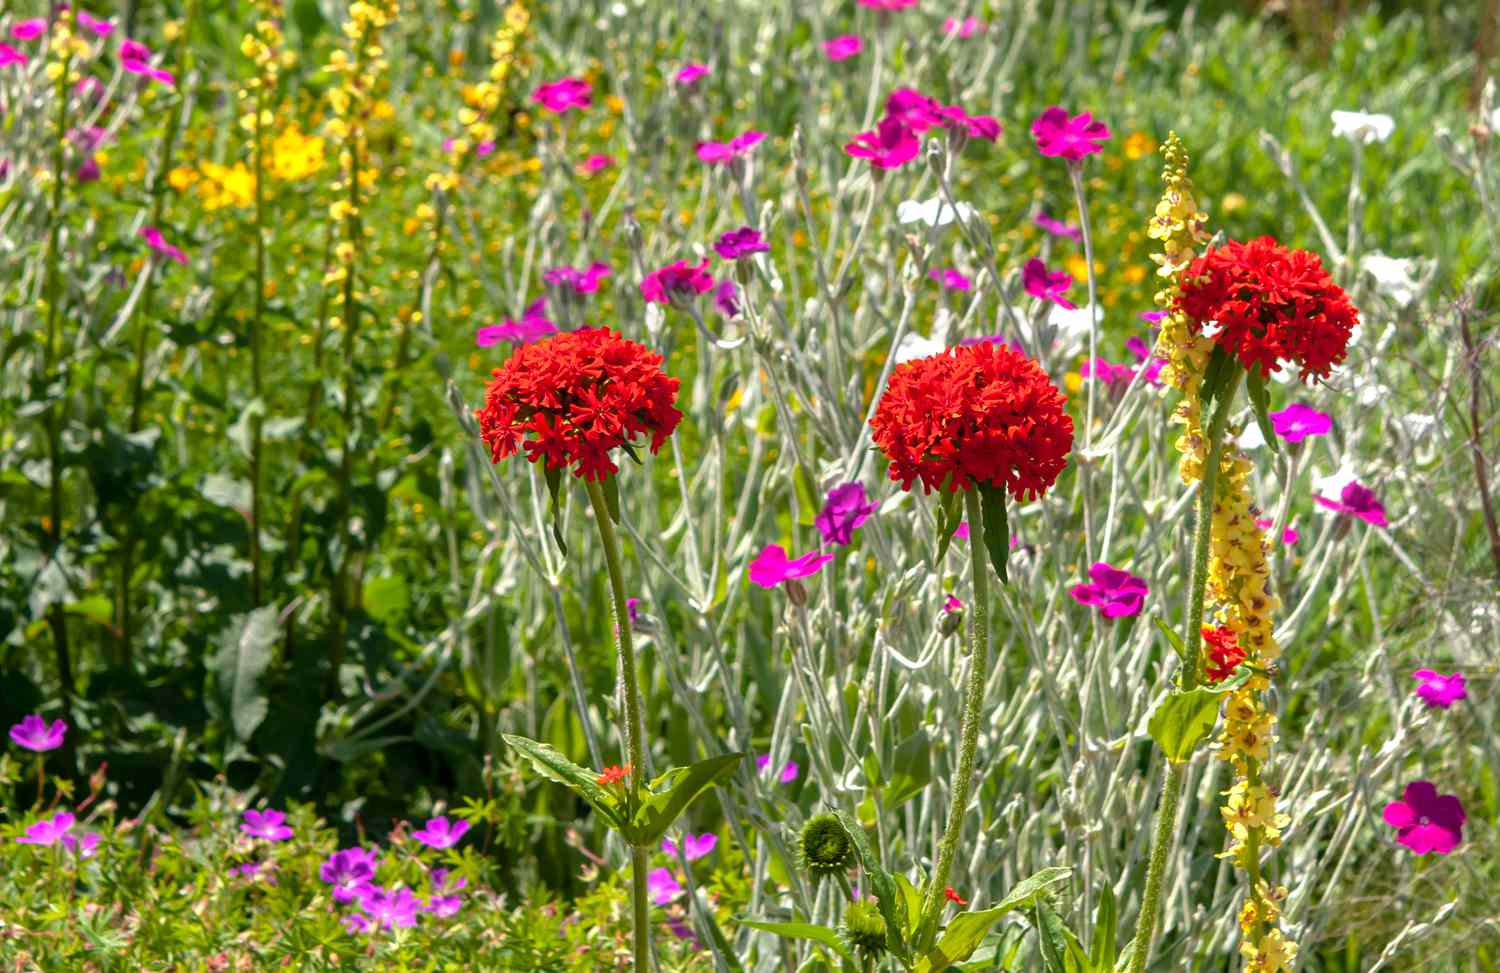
(1417, 424)
(914, 345)
(1358, 126)
(934, 212)
(1332, 486)
(1393, 276)
(1252, 437)
(1072, 324)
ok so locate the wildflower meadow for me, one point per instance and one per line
(828, 486)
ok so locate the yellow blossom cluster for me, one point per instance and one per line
(295, 154)
(482, 101)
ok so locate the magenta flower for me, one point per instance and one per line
(439, 834)
(737, 244)
(33, 733)
(355, 924)
(1426, 821)
(689, 75)
(845, 509)
(351, 872)
(1289, 536)
(84, 846)
(157, 242)
(134, 51)
(266, 825)
(581, 280)
(714, 153)
(390, 909)
(693, 846)
(633, 609)
(772, 566)
(1103, 371)
(1056, 227)
(135, 58)
(443, 906)
(1046, 285)
(1297, 421)
(727, 298)
(679, 280)
(47, 831)
(952, 604)
(1072, 137)
(890, 146)
(1115, 592)
(913, 109)
(26, 30)
(661, 886)
(961, 532)
(788, 771)
(533, 326)
(100, 27)
(950, 278)
(887, 4)
(1439, 691)
(965, 28)
(560, 97)
(955, 119)
(595, 164)
(1142, 352)
(9, 55)
(1357, 501)
(1152, 317)
(843, 47)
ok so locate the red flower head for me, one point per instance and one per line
(1224, 653)
(1271, 304)
(578, 394)
(612, 774)
(978, 413)
(953, 896)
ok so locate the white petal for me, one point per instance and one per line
(1332, 485)
(1365, 127)
(914, 345)
(1252, 437)
(1393, 276)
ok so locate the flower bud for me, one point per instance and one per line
(825, 848)
(796, 592)
(864, 929)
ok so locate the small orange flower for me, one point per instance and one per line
(613, 774)
(954, 896)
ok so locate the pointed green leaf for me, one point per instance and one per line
(1126, 955)
(721, 946)
(948, 519)
(889, 898)
(1221, 365)
(1102, 950)
(554, 487)
(913, 900)
(1028, 888)
(611, 487)
(802, 930)
(807, 495)
(1260, 402)
(1061, 950)
(1171, 636)
(1183, 721)
(669, 795)
(580, 780)
(996, 527)
(245, 650)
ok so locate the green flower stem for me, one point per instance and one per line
(974, 683)
(256, 332)
(634, 751)
(1192, 642)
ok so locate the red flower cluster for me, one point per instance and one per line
(978, 413)
(1271, 304)
(578, 395)
(1224, 653)
(612, 774)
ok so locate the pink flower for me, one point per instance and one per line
(143, 67)
(1439, 691)
(679, 280)
(693, 846)
(1047, 286)
(727, 298)
(47, 831)
(788, 771)
(740, 145)
(1056, 227)
(887, 4)
(913, 109)
(1104, 372)
(99, 27)
(773, 567)
(9, 55)
(267, 825)
(439, 834)
(533, 326)
(1115, 592)
(1142, 352)
(134, 51)
(33, 733)
(890, 146)
(1152, 317)
(1288, 536)
(843, 47)
(845, 509)
(965, 28)
(661, 886)
(955, 119)
(1357, 501)
(741, 243)
(689, 75)
(1072, 137)
(581, 280)
(962, 530)
(157, 242)
(1297, 421)
(595, 163)
(1426, 821)
(84, 846)
(950, 278)
(952, 604)
(560, 97)
(25, 30)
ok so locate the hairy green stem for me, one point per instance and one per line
(256, 329)
(1075, 172)
(974, 683)
(634, 749)
(1192, 642)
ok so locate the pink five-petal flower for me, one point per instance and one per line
(134, 51)
(439, 834)
(845, 509)
(85, 845)
(952, 604)
(267, 825)
(891, 145)
(99, 27)
(1425, 820)
(680, 280)
(913, 109)
(950, 278)
(580, 280)
(689, 75)
(1289, 536)
(9, 55)
(843, 47)
(563, 95)
(661, 886)
(965, 28)
(737, 244)
(1109, 374)
(1297, 422)
(27, 30)
(533, 326)
(887, 4)
(33, 733)
(772, 566)
(789, 770)
(1142, 352)
(962, 530)
(595, 163)
(1115, 592)
(727, 298)
(47, 831)
(1357, 501)
(1439, 691)
(1056, 227)
(1072, 137)
(1047, 285)
(714, 153)
(157, 242)
(693, 846)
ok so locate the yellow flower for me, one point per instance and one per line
(226, 186)
(295, 155)
(1139, 145)
(1273, 953)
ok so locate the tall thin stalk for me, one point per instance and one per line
(256, 331)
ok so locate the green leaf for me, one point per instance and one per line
(996, 527)
(802, 930)
(580, 780)
(1028, 888)
(963, 935)
(1102, 950)
(948, 520)
(889, 898)
(807, 495)
(386, 598)
(913, 899)
(1260, 402)
(611, 487)
(1221, 365)
(244, 654)
(912, 770)
(1183, 721)
(1061, 950)
(1126, 954)
(554, 487)
(669, 795)
(1172, 639)
(309, 19)
(226, 491)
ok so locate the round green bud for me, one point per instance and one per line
(826, 847)
(864, 929)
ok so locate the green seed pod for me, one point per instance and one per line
(864, 929)
(826, 847)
